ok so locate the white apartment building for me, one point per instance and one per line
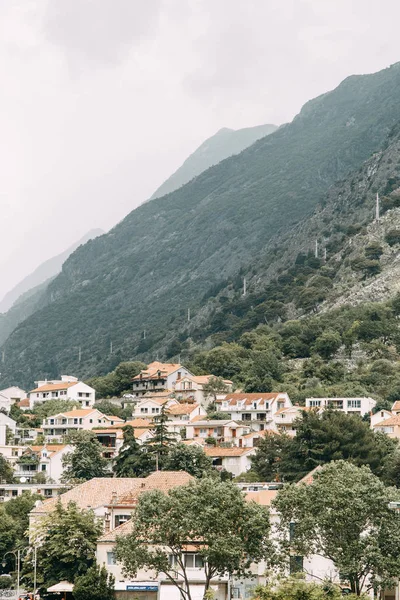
(45, 460)
(257, 410)
(148, 408)
(56, 427)
(47, 490)
(67, 388)
(10, 396)
(190, 388)
(158, 377)
(234, 460)
(220, 430)
(351, 406)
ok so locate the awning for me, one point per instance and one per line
(63, 586)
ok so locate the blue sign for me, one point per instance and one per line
(142, 588)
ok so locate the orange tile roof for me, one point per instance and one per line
(24, 402)
(396, 405)
(111, 536)
(249, 398)
(261, 433)
(395, 420)
(90, 494)
(159, 480)
(154, 367)
(54, 387)
(133, 423)
(78, 412)
(114, 418)
(263, 497)
(197, 418)
(182, 409)
(221, 452)
(50, 447)
(309, 478)
(163, 394)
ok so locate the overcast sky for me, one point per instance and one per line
(101, 100)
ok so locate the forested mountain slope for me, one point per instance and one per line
(226, 142)
(165, 255)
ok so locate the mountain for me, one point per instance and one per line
(169, 254)
(45, 271)
(29, 295)
(226, 142)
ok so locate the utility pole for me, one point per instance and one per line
(188, 314)
(325, 254)
(3, 356)
(79, 354)
(34, 569)
(316, 248)
(111, 347)
(377, 209)
(144, 334)
(244, 286)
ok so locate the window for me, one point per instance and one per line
(255, 405)
(14, 493)
(44, 467)
(51, 421)
(261, 416)
(246, 417)
(315, 402)
(353, 403)
(119, 519)
(155, 410)
(111, 558)
(75, 421)
(90, 420)
(144, 410)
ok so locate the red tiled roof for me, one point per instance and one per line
(54, 387)
(216, 452)
(182, 409)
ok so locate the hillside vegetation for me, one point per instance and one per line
(179, 251)
(226, 142)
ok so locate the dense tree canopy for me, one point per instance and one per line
(226, 532)
(86, 460)
(344, 515)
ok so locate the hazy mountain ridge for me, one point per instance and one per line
(225, 143)
(32, 299)
(46, 270)
(165, 255)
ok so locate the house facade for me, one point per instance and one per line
(234, 460)
(67, 388)
(257, 410)
(10, 396)
(190, 388)
(350, 406)
(151, 407)
(56, 427)
(44, 460)
(221, 430)
(158, 377)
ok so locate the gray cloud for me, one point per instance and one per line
(101, 100)
(100, 30)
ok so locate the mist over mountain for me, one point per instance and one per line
(43, 272)
(169, 254)
(226, 142)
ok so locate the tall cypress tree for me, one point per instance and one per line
(133, 459)
(159, 446)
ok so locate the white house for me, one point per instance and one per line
(8, 421)
(234, 460)
(158, 377)
(56, 427)
(149, 408)
(45, 460)
(221, 430)
(190, 388)
(68, 388)
(10, 396)
(258, 410)
(350, 406)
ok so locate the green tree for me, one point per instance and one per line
(95, 584)
(133, 459)
(213, 387)
(393, 237)
(6, 471)
(344, 515)
(267, 462)
(227, 532)
(118, 381)
(68, 543)
(8, 531)
(191, 459)
(86, 460)
(159, 446)
(18, 509)
(327, 344)
(296, 588)
(373, 251)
